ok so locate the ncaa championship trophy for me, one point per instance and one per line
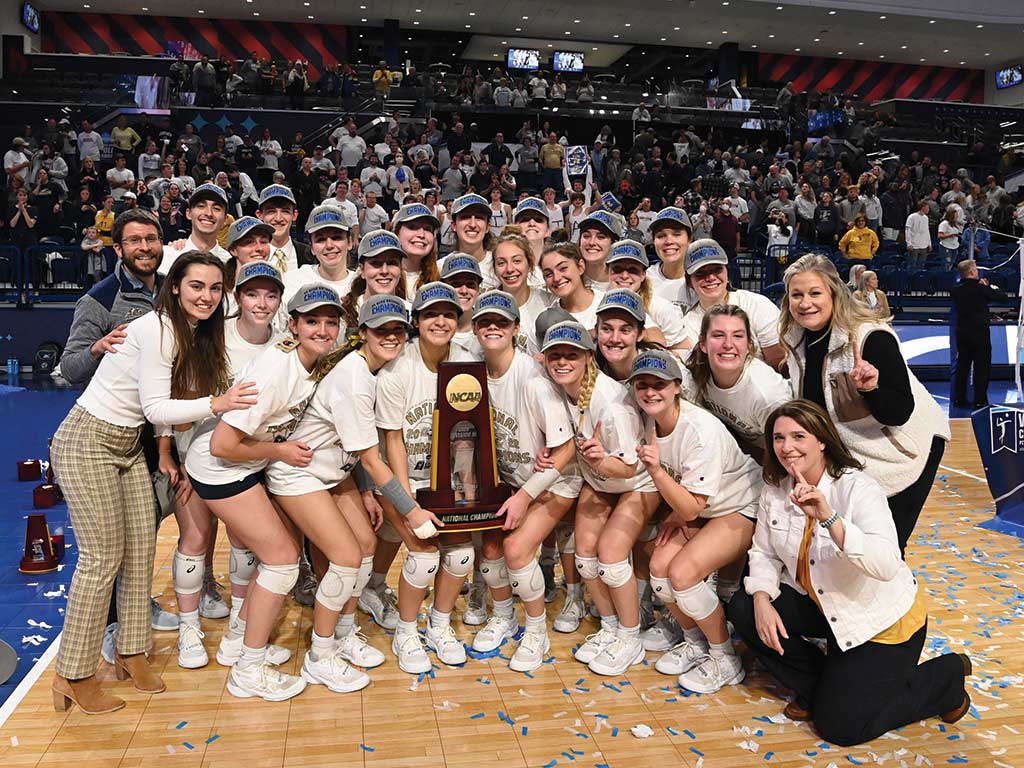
(464, 489)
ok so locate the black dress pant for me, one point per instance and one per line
(858, 694)
(973, 348)
(906, 505)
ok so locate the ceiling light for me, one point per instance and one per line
(980, 26)
(920, 59)
(418, 10)
(831, 13)
(568, 32)
(753, 46)
(550, 46)
(903, 47)
(255, 13)
(472, 13)
(770, 36)
(494, 54)
(519, 29)
(525, 18)
(725, 2)
(575, 21)
(988, 54)
(945, 50)
(797, 50)
(663, 39)
(615, 36)
(839, 53)
(362, 7)
(881, 55)
(469, 26)
(817, 39)
(363, 20)
(594, 48)
(931, 21)
(306, 4)
(416, 23)
(310, 18)
(883, 17)
(201, 11)
(504, 42)
(963, 62)
(725, 31)
(710, 43)
(675, 28)
(627, 24)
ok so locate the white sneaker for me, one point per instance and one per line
(334, 672)
(109, 648)
(569, 618)
(265, 682)
(211, 602)
(593, 645)
(664, 635)
(476, 605)
(380, 604)
(530, 653)
(408, 647)
(354, 647)
(497, 630)
(448, 647)
(682, 658)
(191, 652)
(230, 651)
(618, 656)
(712, 673)
(161, 620)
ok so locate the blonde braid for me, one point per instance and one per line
(326, 363)
(587, 386)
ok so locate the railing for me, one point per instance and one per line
(45, 273)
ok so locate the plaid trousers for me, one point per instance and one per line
(102, 471)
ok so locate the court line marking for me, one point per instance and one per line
(965, 474)
(29, 680)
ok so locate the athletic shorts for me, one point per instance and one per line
(208, 492)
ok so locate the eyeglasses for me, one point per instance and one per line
(135, 240)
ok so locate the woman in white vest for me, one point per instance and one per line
(842, 358)
(825, 563)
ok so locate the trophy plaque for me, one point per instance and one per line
(464, 488)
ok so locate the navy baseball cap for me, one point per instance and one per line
(496, 303)
(257, 269)
(657, 363)
(625, 300)
(382, 309)
(272, 191)
(628, 250)
(246, 226)
(208, 191)
(672, 216)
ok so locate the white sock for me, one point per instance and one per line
(439, 620)
(505, 608)
(406, 627)
(236, 606)
(574, 591)
(376, 581)
(251, 656)
(190, 617)
(537, 623)
(346, 623)
(322, 647)
(611, 623)
(236, 628)
(718, 650)
(628, 632)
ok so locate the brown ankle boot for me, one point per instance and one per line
(958, 712)
(86, 693)
(137, 668)
(798, 710)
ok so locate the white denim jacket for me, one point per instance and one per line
(863, 588)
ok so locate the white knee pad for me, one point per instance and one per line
(458, 559)
(587, 567)
(565, 539)
(279, 579)
(365, 569)
(615, 574)
(495, 573)
(242, 566)
(528, 583)
(388, 533)
(661, 588)
(698, 602)
(187, 573)
(420, 567)
(336, 586)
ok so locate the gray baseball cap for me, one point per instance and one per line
(435, 293)
(703, 252)
(606, 220)
(458, 263)
(625, 300)
(466, 202)
(206, 191)
(569, 333)
(255, 270)
(549, 317)
(628, 250)
(314, 295)
(377, 242)
(496, 303)
(324, 217)
(276, 190)
(245, 226)
(530, 205)
(671, 217)
(382, 309)
(658, 363)
(415, 212)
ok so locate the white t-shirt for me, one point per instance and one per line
(539, 300)
(738, 206)
(704, 458)
(294, 279)
(406, 398)
(468, 341)
(339, 422)
(347, 207)
(586, 317)
(644, 219)
(374, 218)
(556, 217)
(171, 254)
(119, 177)
(528, 417)
(621, 432)
(666, 316)
(946, 229)
(539, 88)
(196, 448)
(285, 387)
(674, 289)
(499, 219)
(764, 317)
(574, 223)
(352, 149)
(746, 405)
(270, 152)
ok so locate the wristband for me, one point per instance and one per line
(362, 478)
(541, 481)
(826, 524)
(393, 491)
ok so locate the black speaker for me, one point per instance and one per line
(47, 357)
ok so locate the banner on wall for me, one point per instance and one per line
(999, 431)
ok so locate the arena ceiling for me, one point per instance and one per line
(798, 27)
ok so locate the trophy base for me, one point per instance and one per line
(477, 515)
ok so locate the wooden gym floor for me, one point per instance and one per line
(563, 715)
